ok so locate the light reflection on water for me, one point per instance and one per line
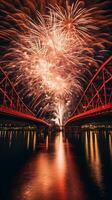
(110, 145)
(50, 175)
(30, 138)
(75, 167)
(93, 157)
(96, 147)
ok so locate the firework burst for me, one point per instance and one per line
(50, 53)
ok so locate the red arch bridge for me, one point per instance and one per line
(11, 105)
(96, 101)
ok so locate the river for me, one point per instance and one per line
(55, 166)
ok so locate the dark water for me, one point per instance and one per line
(34, 166)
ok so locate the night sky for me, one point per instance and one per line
(30, 7)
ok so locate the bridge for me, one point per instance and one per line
(96, 101)
(94, 104)
(12, 106)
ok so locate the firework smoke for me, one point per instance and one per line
(51, 52)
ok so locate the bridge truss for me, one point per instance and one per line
(10, 102)
(97, 97)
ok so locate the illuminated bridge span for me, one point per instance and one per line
(11, 105)
(96, 101)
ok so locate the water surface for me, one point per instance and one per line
(57, 166)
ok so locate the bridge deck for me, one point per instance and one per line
(14, 113)
(96, 111)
